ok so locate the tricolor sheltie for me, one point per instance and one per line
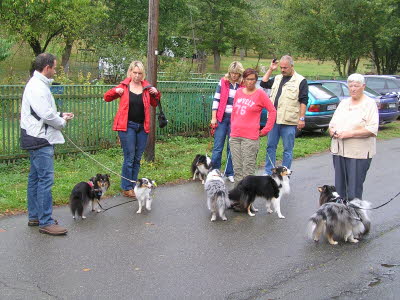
(217, 196)
(85, 192)
(339, 219)
(201, 165)
(269, 187)
(143, 189)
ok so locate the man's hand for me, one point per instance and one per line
(67, 116)
(301, 124)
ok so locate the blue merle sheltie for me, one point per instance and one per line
(217, 195)
(90, 191)
(338, 219)
(270, 187)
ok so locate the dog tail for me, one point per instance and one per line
(362, 207)
(314, 223)
(222, 199)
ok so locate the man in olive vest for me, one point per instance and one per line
(289, 93)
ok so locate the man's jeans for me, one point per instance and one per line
(40, 181)
(133, 143)
(288, 134)
(221, 134)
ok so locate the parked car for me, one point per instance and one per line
(383, 84)
(388, 105)
(322, 103)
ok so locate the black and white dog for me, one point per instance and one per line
(201, 165)
(339, 219)
(85, 192)
(143, 189)
(217, 196)
(269, 187)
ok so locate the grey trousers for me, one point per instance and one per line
(350, 175)
(244, 156)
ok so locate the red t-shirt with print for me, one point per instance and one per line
(246, 114)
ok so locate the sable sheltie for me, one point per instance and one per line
(217, 196)
(143, 189)
(269, 187)
(85, 192)
(201, 165)
(339, 219)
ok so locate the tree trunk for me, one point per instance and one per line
(67, 54)
(152, 46)
(217, 60)
(242, 54)
(35, 45)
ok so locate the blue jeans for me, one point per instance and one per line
(40, 181)
(288, 134)
(221, 134)
(133, 143)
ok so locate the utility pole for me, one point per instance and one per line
(152, 52)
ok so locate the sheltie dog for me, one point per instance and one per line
(85, 192)
(339, 219)
(217, 196)
(143, 189)
(270, 187)
(201, 165)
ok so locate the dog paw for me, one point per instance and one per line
(251, 214)
(73, 217)
(316, 240)
(139, 212)
(254, 209)
(333, 242)
(281, 217)
(83, 217)
(270, 211)
(224, 218)
(213, 218)
(99, 210)
(353, 240)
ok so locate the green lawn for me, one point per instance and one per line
(173, 159)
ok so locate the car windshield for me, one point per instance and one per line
(319, 92)
(371, 93)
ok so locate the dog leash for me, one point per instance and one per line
(88, 155)
(354, 206)
(115, 205)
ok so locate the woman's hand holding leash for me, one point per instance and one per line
(153, 90)
(119, 91)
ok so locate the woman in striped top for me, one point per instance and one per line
(221, 115)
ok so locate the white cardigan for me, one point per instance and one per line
(37, 95)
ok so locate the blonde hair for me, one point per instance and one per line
(234, 67)
(139, 65)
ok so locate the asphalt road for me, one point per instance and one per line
(175, 252)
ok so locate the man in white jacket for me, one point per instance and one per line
(41, 127)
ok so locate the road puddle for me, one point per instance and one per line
(389, 265)
(375, 282)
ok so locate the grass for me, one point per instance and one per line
(172, 165)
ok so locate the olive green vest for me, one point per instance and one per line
(288, 110)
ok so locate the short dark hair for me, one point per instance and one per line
(43, 60)
(248, 72)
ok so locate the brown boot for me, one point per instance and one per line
(36, 222)
(53, 229)
(129, 193)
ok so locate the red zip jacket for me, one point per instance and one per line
(121, 117)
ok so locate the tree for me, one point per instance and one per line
(40, 22)
(338, 30)
(216, 24)
(385, 52)
(5, 46)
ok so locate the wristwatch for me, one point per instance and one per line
(301, 118)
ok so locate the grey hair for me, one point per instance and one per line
(289, 59)
(356, 78)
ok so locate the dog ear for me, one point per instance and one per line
(320, 189)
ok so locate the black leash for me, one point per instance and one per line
(377, 206)
(116, 205)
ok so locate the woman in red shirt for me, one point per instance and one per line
(132, 120)
(245, 125)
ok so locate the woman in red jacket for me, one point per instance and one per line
(132, 120)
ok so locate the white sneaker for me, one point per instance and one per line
(231, 179)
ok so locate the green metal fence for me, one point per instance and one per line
(187, 106)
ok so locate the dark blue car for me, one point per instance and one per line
(322, 103)
(388, 105)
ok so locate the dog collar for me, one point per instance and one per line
(90, 183)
